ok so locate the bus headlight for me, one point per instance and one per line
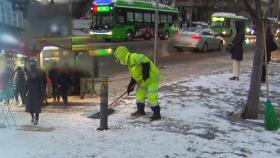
(110, 33)
(91, 32)
(100, 33)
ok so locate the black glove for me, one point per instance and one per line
(145, 71)
(131, 86)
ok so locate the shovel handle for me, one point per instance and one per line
(124, 93)
(117, 99)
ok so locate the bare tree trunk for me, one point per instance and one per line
(252, 106)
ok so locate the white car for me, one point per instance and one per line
(201, 39)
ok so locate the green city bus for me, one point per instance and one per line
(223, 23)
(129, 19)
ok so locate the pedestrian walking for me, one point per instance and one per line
(34, 93)
(270, 47)
(19, 81)
(237, 49)
(53, 74)
(146, 76)
(64, 84)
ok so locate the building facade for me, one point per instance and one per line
(12, 23)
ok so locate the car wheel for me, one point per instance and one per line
(205, 48)
(220, 47)
(179, 49)
(129, 36)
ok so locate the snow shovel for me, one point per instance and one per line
(271, 121)
(110, 109)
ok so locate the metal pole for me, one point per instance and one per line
(95, 67)
(95, 72)
(103, 103)
(191, 12)
(156, 32)
(70, 7)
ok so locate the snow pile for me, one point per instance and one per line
(195, 123)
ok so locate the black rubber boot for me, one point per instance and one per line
(156, 115)
(140, 110)
(32, 117)
(36, 118)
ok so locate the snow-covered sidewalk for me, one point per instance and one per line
(197, 122)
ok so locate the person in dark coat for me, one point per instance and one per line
(237, 50)
(64, 84)
(53, 74)
(34, 93)
(19, 80)
(270, 47)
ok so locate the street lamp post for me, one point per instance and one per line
(156, 32)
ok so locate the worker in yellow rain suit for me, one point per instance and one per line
(146, 75)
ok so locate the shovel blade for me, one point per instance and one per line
(97, 115)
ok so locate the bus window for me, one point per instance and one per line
(227, 23)
(153, 18)
(147, 17)
(218, 24)
(170, 20)
(138, 17)
(163, 19)
(130, 17)
(102, 21)
(120, 17)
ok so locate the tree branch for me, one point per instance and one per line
(251, 11)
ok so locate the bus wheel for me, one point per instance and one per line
(166, 35)
(147, 36)
(129, 36)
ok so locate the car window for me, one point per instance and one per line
(206, 33)
(212, 32)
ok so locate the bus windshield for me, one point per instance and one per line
(218, 24)
(102, 21)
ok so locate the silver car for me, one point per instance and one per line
(201, 39)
